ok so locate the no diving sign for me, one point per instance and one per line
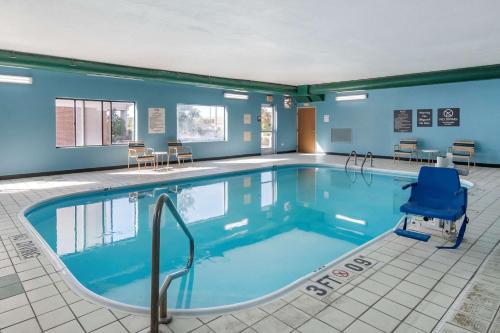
(449, 117)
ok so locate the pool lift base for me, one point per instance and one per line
(165, 320)
(448, 227)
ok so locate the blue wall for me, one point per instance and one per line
(27, 120)
(371, 120)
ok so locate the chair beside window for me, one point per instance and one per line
(140, 153)
(463, 151)
(406, 148)
(180, 151)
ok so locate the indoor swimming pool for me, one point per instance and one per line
(256, 232)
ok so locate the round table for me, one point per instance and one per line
(159, 154)
(430, 154)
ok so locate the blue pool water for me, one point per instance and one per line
(255, 232)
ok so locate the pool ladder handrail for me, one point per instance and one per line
(159, 295)
(355, 158)
(364, 160)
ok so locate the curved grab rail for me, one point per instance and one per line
(159, 295)
(364, 160)
(355, 158)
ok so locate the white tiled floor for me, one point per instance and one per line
(413, 287)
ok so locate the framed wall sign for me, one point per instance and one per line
(449, 117)
(403, 121)
(424, 118)
(156, 120)
(247, 136)
(247, 118)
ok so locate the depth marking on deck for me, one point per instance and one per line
(25, 247)
(332, 278)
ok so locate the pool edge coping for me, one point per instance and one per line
(85, 293)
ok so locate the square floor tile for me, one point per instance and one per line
(15, 316)
(335, 318)
(292, 316)
(55, 318)
(227, 324)
(316, 326)
(361, 327)
(271, 324)
(135, 323)
(13, 302)
(432, 310)
(375, 287)
(413, 289)
(379, 320)
(405, 328)
(403, 298)
(251, 315)
(439, 299)
(70, 326)
(363, 296)
(350, 306)
(115, 327)
(48, 304)
(28, 326)
(96, 319)
(423, 322)
(309, 304)
(392, 308)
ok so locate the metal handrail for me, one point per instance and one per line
(364, 160)
(369, 183)
(355, 158)
(159, 295)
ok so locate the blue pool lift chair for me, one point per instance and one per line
(436, 194)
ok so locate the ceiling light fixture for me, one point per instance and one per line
(16, 79)
(351, 97)
(116, 77)
(231, 95)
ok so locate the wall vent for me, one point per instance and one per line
(342, 135)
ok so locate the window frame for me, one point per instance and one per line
(102, 101)
(226, 132)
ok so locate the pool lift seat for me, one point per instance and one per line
(436, 194)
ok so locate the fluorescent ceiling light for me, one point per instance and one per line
(235, 96)
(17, 67)
(351, 97)
(350, 219)
(16, 79)
(116, 77)
(239, 224)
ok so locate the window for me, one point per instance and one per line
(268, 189)
(93, 123)
(203, 202)
(83, 227)
(201, 123)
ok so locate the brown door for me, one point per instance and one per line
(307, 130)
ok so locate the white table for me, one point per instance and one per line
(430, 154)
(159, 154)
